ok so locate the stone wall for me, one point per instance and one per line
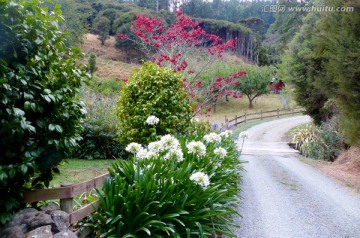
(49, 221)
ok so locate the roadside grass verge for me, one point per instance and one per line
(288, 136)
(248, 125)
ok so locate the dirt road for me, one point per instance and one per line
(284, 198)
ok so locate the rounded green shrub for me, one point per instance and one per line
(152, 91)
(40, 111)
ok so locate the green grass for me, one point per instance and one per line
(76, 171)
(246, 126)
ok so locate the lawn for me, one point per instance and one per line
(76, 171)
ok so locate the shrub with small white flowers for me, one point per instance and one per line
(200, 179)
(197, 148)
(133, 147)
(226, 134)
(221, 152)
(177, 183)
(212, 138)
(152, 120)
(243, 135)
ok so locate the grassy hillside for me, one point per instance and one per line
(110, 60)
(111, 65)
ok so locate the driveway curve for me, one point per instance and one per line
(285, 198)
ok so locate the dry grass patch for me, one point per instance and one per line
(350, 160)
(240, 106)
(107, 51)
(345, 169)
(110, 60)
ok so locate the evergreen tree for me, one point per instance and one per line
(102, 28)
(337, 49)
(298, 67)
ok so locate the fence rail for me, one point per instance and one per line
(66, 194)
(237, 120)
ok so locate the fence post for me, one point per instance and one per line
(66, 204)
(278, 111)
(245, 117)
(235, 119)
(260, 114)
(214, 107)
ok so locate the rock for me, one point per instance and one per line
(31, 223)
(51, 206)
(292, 145)
(65, 234)
(60, 221)
(19, 217)
(14, 232)
(37, 220)
(40, 232)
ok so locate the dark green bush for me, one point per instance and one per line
(152, 90)
(99, 132)
(40, 111)
(97, 144)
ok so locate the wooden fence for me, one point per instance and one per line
(259, 116)
(66, 194)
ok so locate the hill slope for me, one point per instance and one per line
(110, 60)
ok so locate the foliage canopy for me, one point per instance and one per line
(40, 111)
(255, 82)
(323, 63)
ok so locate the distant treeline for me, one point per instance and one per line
(228, 19)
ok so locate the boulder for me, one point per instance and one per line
(19, 217)
(31, 223)
(13, 232)
(65, 234)
(60, 220)
(40, 232)
(51, 206)
(38, 219)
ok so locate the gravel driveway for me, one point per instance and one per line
(285, 198)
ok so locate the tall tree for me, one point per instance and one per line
(298, 67)
(323, 62)
(337, 49)
(102, 28)
(255, 83)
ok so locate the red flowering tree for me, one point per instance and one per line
(188, 49)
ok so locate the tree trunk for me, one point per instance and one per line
(251, 105)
